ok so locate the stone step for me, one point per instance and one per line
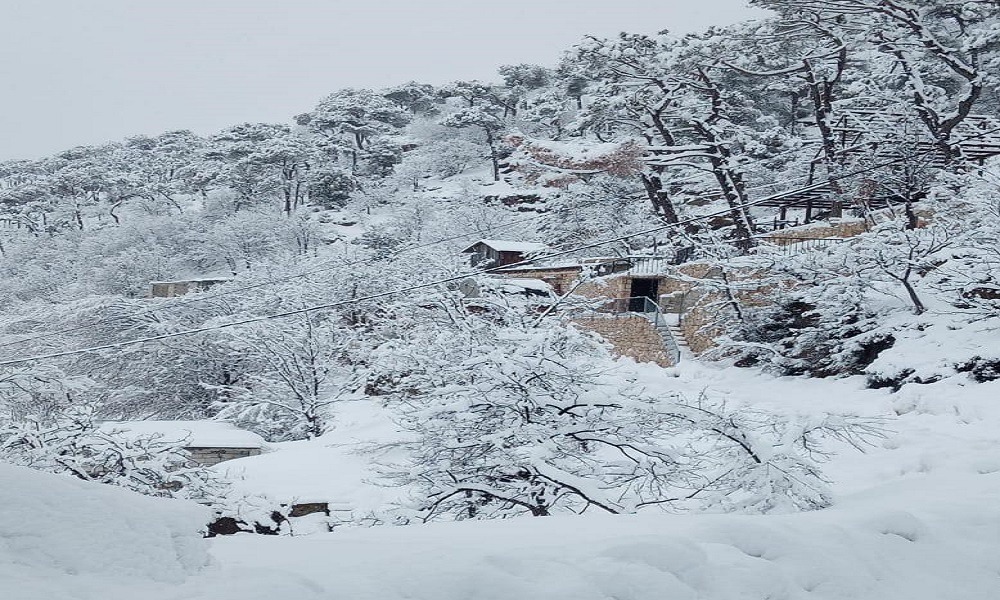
(677, 334)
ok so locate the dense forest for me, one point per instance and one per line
(338, 235)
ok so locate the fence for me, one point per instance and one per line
(791, 245)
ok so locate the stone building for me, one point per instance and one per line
(208, 442)
(629, 304)
(684, 300)
(499, 253)
(170, 289)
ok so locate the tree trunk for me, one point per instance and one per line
(112, 210)
(918, 305)
(659, 198)
(494, 158)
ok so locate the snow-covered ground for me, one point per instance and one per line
(948, 426)
(911, 540)
(917, 517)
(65, 538)
(337, 468)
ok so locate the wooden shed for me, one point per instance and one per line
(500, 253)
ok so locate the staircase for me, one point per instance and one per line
(669, 328)
(667, 341)
(673, 339)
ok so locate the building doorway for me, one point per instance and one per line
(640, 290)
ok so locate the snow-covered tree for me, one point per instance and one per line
(351, 119)
(488, 122)
(301, 367)
(943, 50)
(74, 442)
(516, 415)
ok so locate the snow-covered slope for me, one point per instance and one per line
(917, 517)
(62, 538)
(927, 539)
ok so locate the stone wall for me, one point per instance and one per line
(700, 305)
(207, 457)
(606, 287)
(633, 336)
(844, 228)
(841, 228)
(172, 289)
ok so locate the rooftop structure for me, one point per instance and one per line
(499, 253)
(208, 442)
(885, 136)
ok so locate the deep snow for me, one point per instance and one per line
(917, 517)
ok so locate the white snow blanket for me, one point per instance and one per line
(926, 539)
(919, 539)
(916, 518)
(62, 538)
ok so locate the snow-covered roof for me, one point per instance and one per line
(194, 434)
(528, 284)
(193, 280)
(509, 246)
(649, 265)
(560, 266)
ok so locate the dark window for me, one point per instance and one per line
(509, 258)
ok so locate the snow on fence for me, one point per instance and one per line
(791, 245)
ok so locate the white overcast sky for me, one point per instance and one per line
(88, 71)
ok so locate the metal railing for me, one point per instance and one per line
(792, 245)
(646, 307)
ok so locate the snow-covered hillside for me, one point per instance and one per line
(415, 314)
(917, 517)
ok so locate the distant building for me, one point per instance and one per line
(170, 289)
(623, 299)
(882, 136)
(500, 253)
(208, 442)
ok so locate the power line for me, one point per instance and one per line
(340, 264)
(463, 276)
(327, 306)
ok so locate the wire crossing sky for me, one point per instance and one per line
(79, 73)
(455, 278)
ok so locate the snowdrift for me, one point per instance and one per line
(931, 538)
(61, 538)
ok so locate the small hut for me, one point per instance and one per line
(208, 442)
(500, 253)
(170, 289)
